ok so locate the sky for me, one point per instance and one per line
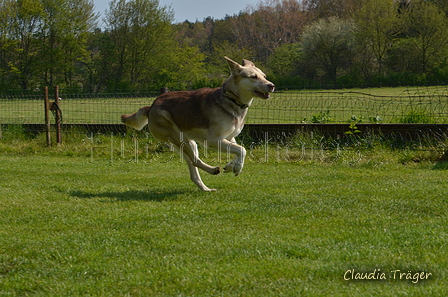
(193, 10)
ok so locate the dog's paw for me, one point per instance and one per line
(229, 167)
(217, 170)
(238, 168)
(209, 190)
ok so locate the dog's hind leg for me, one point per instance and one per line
(231, 165)
(190, 149)
(194, 171)
(195, 177)
(189, 152)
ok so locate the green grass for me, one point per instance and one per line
(77, 226)
(392, 105)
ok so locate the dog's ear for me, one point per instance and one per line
(248, 63)
(234, 66)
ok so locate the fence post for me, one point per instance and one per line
(58, 117)
(47, 116)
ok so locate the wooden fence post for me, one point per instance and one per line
(47, 116)
(58, 115)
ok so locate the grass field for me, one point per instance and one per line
(80, 226)
(391, 105)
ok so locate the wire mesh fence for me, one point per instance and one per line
(285, 107)
(428, 105)
(414, 105)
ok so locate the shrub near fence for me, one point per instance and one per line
(382, 105)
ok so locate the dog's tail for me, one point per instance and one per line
(137, 120)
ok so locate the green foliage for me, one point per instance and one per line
(328, 46)
(185, 70)
(284, 60)
(403, 57)
(428, 26)
(46, 41)
(135, 45)
(217, 66)
(139, 34)
(352, 127)
(375, 119)
(321, 118)
(376, 22)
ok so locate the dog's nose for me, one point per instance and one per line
(271, 87)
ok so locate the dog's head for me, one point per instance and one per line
(250, 79)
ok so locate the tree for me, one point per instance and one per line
(20, 22)
(192, 34)
(428, 25)
(140, 49)
(328, 45)
(139, 31)
(268, 25)
(403, 57)
(442, 4)
(284, 60)
(63, 38)
(332, 8)
(185, 69)
(377, 26)
(44, 40)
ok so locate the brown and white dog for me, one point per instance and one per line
(213, 117)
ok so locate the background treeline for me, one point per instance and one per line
(137, 45)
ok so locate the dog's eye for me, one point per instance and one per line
(254, 76)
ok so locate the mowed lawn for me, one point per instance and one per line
(72, 227)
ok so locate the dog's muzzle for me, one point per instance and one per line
(262, 95)
(271, 88)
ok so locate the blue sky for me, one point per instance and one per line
(193, 10)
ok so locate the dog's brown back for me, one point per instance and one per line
(189, 109)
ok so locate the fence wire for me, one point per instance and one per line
(415, 105)
(412, 105)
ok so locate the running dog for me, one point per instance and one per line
(213, 117)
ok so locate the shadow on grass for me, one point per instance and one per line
(442, 164)
(155, 195)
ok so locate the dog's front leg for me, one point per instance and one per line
(230, 147)
(231, 165)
